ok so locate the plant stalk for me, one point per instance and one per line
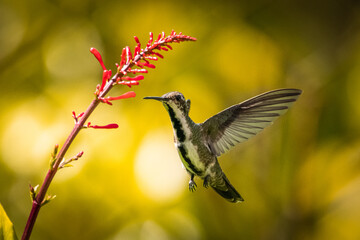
(37, 202)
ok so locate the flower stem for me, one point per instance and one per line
(37, 202)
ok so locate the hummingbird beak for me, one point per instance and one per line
(161, 99)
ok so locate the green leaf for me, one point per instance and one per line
(7, 231)
(47, 200)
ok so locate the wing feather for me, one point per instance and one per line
(240, 122)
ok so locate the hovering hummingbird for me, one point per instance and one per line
(199, 145)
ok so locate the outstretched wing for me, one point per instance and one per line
(240, 122)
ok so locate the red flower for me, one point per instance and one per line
(123, 96)
(98, 57)
(137, 78)
(76, 118)
(109, 126)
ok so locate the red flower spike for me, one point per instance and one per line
(137, 78)
(140, 57)
(96, 53)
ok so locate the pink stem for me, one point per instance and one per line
(52, 171)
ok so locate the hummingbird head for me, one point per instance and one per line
(174, 100)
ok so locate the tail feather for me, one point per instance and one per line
(227, 191)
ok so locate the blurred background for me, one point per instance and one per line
(300, 177)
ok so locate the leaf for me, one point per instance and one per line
(7, 231)
(47, 200)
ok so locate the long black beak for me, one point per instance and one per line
(161, 99)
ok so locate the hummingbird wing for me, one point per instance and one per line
(240, 122)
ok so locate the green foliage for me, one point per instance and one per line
(7, 231)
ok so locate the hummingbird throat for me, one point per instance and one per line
(183, 134)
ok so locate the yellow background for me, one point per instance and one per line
(300, 177)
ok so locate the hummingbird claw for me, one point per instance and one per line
(192, 186)
(206, 181)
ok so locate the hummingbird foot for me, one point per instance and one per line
(192, 184)
(206, 181)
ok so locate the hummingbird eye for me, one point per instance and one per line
(178, 97)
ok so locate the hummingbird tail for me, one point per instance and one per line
(227, 191)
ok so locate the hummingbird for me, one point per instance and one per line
(199, 145)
